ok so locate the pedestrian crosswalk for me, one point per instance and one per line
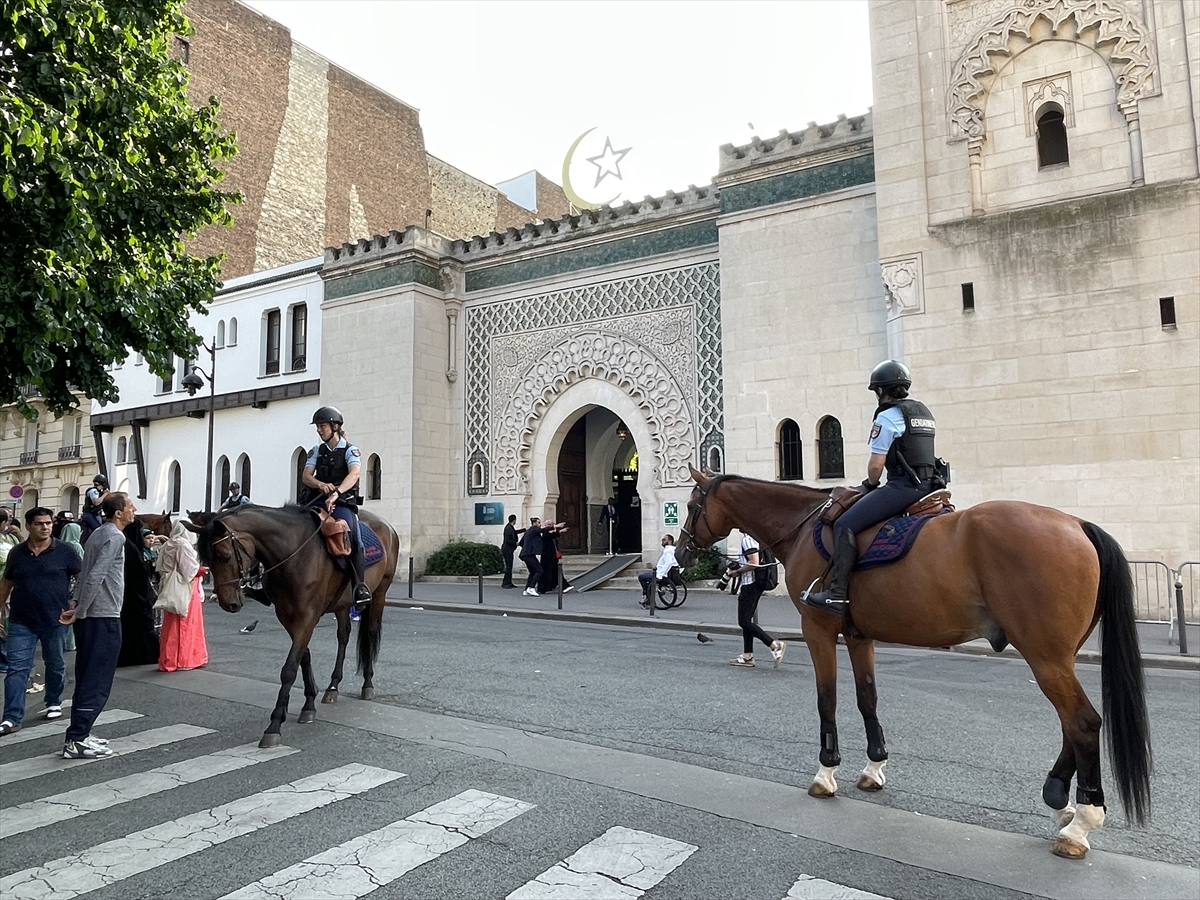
(621, 863)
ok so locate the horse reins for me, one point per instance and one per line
(691, 538)
(246, 577)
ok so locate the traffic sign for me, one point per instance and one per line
(670, 512)
(16, 492)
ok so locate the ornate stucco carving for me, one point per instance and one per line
(904, 286)
(1113, 30)
(628, 364)
(1055, 89)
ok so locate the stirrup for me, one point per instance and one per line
(823, 601)
(362, 596)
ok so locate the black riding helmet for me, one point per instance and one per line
(890, 374)
(329, 415)
(100, 480)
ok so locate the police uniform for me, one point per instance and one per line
(332, 465)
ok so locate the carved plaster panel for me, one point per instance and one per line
(1055, 89)
(647, 379)
(1113, 30)
(904, 286)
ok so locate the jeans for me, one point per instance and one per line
(20, 646)
(747, 606)
(98, 644)
(535, 571)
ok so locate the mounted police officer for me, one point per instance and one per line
(331, 474)
(902, 443)
(92, 516)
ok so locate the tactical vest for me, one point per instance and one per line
(916, 444)
(332, 468)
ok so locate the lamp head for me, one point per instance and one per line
(192, 382)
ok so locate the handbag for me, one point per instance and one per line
(174, 594)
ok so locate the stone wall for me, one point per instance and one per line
(463, 206)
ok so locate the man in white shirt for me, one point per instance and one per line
(749, 592)
(666, 563)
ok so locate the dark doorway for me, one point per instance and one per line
(629, 537)
(572, 488)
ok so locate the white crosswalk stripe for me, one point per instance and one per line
(621, 863)
(359, 866)
(114, 861)
(59, 726)
(81, 801)
(143, 740)
(809, 888)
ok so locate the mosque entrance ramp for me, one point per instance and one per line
(611, 567)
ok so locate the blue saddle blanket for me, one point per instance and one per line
(372, 546)
(892, 543)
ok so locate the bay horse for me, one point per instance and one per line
(1009, 571)
(277, 556)
(158, 523)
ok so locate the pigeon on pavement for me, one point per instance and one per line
(703, 638)
(249, 628)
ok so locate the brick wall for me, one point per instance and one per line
(552, 203)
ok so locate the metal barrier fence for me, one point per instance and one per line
(1153, 590)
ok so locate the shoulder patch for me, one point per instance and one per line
(875, 429)
(354, 452)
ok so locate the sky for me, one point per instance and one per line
(505, 87)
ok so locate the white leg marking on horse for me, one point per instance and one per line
(1062, 817)
(1087, 818)
(824, 778)
(874, 771)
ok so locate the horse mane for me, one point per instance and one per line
(291, 512)
(717, 480)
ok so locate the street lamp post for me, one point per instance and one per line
(192, 382)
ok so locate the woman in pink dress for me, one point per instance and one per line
(181, 642)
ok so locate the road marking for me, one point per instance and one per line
(621, 863)
(143, 740)
(357, 867)
(116, 860)
(81, 801)
(809, 888)
(59, 726)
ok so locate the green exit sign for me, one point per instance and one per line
(671, 512)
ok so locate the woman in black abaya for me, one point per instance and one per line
(139, 642)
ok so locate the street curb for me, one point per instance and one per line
(1149, 660)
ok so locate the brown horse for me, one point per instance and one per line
(276, 556)
(158, 523)
(1007, 571)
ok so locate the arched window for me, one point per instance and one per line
(374, 478)
(300, 457)
(220, 334)
(223, 479)
(243, 478)
(176, 479)
(477, 475)
(70, 500)
(1051, 137)
(231, 335)
(714, 459)
(122, 451)
(831, 463)
(791, 463)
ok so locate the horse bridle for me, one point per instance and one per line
(691, 538)
(251, 578)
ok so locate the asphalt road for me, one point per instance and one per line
(596, 728)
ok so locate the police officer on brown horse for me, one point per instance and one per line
(902, 443)
(331, 474)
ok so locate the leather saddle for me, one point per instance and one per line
(842, 498)
(336, 534)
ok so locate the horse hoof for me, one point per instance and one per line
(819, 790)
(368, 693)
(330, 696)
(1068, 849)
(867, 783)
(306, 716)
(270, 740)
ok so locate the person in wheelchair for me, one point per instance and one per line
(662, 570)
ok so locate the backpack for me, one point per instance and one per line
(767, 573)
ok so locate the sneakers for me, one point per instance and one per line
(742, 661)
(54, 711)
(84, 750)
(92, 741)
(7, 727)
(531, 592)
(778, 651)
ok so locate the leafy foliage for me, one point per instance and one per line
(709, 565)
(105, 170)
(464, 557)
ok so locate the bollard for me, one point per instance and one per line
(1179, 613)
(653, 596)
(560, 586)
(410, 577)
(481, 583)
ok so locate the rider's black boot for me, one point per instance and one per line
(358, 562)
(845, 555)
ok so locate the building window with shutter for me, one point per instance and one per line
(271, 339)
(299, 337)
(831, 461)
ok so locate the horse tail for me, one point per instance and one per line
(370, 629)
(1122, 681)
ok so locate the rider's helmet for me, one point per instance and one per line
(329, 415)
(890, 374)
(100, 480)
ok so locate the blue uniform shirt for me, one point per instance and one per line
(352, 455)
(888, 426)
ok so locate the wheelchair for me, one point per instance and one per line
(671, 591)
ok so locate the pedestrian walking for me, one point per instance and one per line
(749, 593)
(531, 550)
(610, 520)
(95, 614)
(551, 558)
(36, 590)
(181, 642)
(508, 547)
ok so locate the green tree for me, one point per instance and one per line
(105, 170)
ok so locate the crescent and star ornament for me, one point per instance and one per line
(607, 163)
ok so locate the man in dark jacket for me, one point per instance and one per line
(508, 547)
(531, 552)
